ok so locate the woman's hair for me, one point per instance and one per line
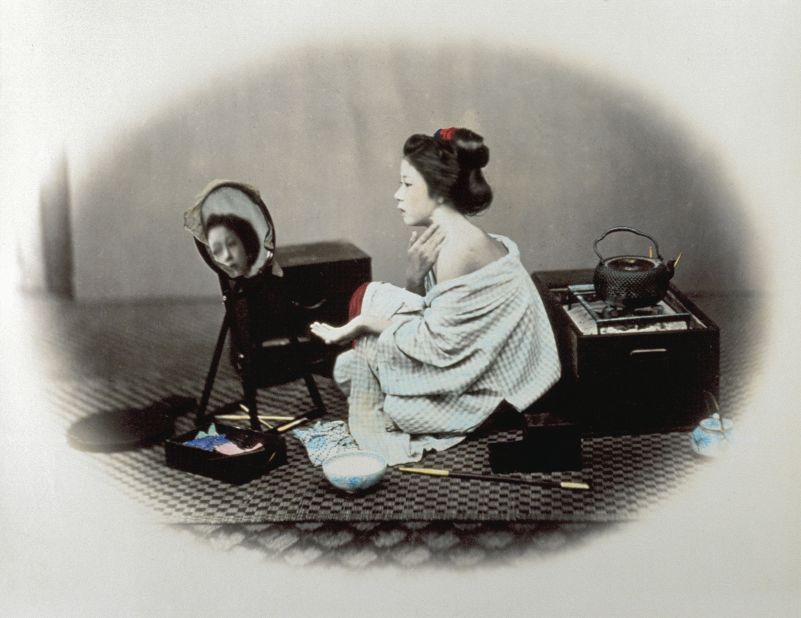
(451, 162)
(242, 228)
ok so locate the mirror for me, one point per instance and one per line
(232, 223)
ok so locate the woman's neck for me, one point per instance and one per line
(449, 219)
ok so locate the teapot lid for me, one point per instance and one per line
(713, 423)
(632, 263)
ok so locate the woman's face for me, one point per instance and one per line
(414, 202)
(228, 251)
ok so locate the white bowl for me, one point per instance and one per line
(354, 471)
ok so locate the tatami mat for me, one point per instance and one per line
(119, 355)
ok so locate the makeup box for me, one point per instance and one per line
(234, 469)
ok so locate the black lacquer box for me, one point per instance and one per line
(234, 469)
(550, 443)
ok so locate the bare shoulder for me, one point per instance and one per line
(470, 253)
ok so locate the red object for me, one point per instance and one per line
(446, 135)
(355, 303)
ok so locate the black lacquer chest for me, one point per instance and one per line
(630, 374)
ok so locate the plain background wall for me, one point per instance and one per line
(319, 131)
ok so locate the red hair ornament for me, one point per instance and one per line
(445, 135)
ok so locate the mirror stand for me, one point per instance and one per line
(240, 298)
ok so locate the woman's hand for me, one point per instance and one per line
(422, 255)
(359, 325)
(336, 334)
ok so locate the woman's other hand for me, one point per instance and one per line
(360, 325)
(335, 334)
(421, 256)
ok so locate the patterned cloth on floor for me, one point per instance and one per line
(324, 439)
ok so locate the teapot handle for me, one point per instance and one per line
(624, 229)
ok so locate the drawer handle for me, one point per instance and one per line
(316, 305)
(648, 351)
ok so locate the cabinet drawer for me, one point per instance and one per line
(678, 351)
(325, 290)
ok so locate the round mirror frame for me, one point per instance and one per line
(266, 244)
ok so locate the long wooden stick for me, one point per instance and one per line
(294, 423)
(264, 417)
(498, 478)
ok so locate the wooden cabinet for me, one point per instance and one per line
(317, 283)
(632, 382)
(320, 277)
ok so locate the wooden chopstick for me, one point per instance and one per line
(294, 423)
(266, 417)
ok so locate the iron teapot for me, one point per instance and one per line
(629, 281)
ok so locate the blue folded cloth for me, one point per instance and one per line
(208, 440)
(207, 443)
(324, 439)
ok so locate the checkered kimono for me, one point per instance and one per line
(447, 359)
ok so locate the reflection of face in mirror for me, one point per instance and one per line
(231, 222)
(233, 244)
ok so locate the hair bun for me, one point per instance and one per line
(450, 162)
(470, 149)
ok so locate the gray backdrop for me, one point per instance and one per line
(320, 132)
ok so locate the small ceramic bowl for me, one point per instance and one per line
(713, 437)
(355, 471)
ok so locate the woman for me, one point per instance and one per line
(431, 362)
(233, 243)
